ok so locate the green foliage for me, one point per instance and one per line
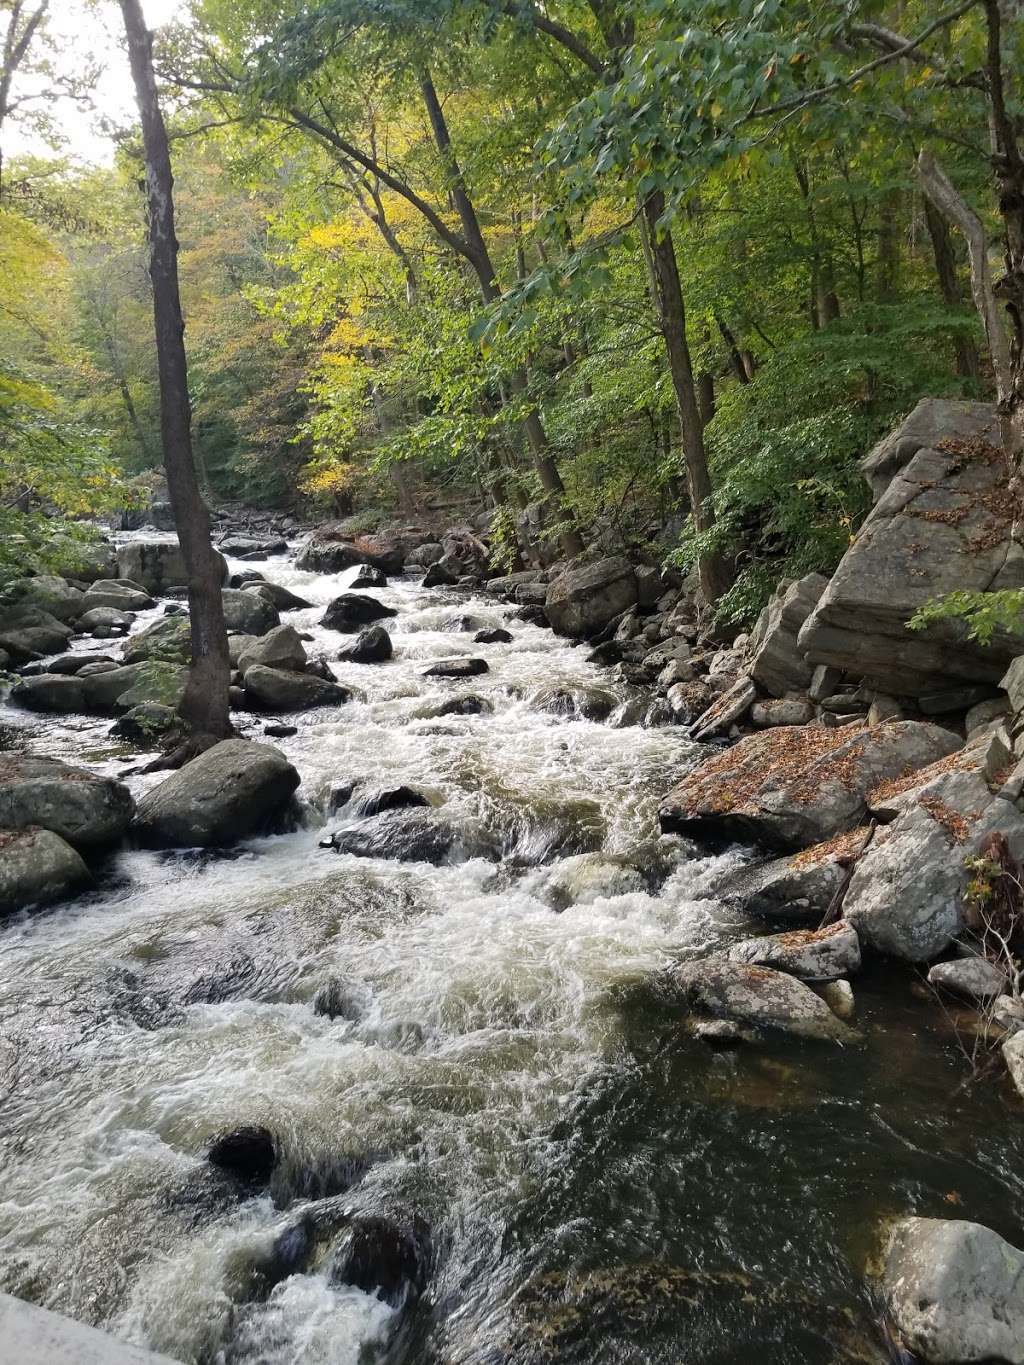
(984, 615)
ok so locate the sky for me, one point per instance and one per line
(92, 31)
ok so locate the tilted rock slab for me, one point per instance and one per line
(581, 601)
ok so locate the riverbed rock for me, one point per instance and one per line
(753, 997)
(441, 575)
(366, 576)
(169, 639)
(973, 977)
(282, 598)
(587, 877)
(372, 646)
(576, 703)
(384, 1258)
(226, 793)
(157, 564)
(45, 592)
(120, 596)
(109, 620)
(497, 636)
(774, 661)
(457, 668)
(469, 704)
(725, 710)
(86, 810)
(955, 1291)
(351, 611)
(582, 600)
(810, 954)
(417, 835)
(942, 524)
(1013, 1055)
(28, 632)
(252, 547)
(279, 689)
(248, 612)
(400, 797)
(147, 725)
(37, 867)
(797, 888)
(58, 693)
(249, 1153)
(122, 688)
(424, 555)
(781, 711)
(279, 648)
(791, 787)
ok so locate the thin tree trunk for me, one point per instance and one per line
(967, 362)
(668, 293)
(205, 704)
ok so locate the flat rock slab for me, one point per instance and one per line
(35, 1336)
(956, 1292)
(810, 954)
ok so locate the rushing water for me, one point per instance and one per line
(597, 1189)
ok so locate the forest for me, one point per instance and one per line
(649, 273)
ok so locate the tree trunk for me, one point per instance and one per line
(205, 704)
(967, 361)
(480, 259)
(668, 293)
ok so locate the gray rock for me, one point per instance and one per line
(985, 713)
(457, 668)
(156, 565)
(155, 684)
(169, 639)
(35, 1336)
(838, 996)
(86, 810)
(688, 701)
(147, 724)
(278, 689)
(351, 611)
(942, 524)
(366, 576)
(248, 612)
(282, 598)
(781, 711)
(582, 601)
(798, 888)
(110, 617)
(120, 596)
(28, 632)
(442, 574)
(45, 592)
(416, 835)
(973, 977)
(506, 584)
(932, 421)
(372, 646)
(424, 555)
(53, 692)
(1013, 1055)
(755, 997)
(955, 1291)
(773, 660)
(810, 954)
(587, 877)
(789, 788)
(279, 648)
(226, 793)
(824, 681)
(252, 547)
(728, 708)
(37, 867)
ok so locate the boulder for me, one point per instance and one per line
(365, 576)
(583, 600)
(281, 598)
(154, 684)
(791, 787)
(391, 798)
(278, 689)
(45, 592)
(781, 711)
(955, 1292)
(493, 637)
(384, 1258)
(440, 575)
(112, 593)
(249, 1153)
(54, 692)
(253, 547)
(279, 648)
(773, 659)
(505, 584)
(972, 977)
(169, 639)
(226, 793)
(69, 664)
(810, 954)
(372, 646)
(28, 632)
(587, 877)
(797, 888)
(86, 810)
(383, 552)
(424, 555)
(248, 612)
(147, 724)
(941, 524)
(416, 835)
(688, 701)
(107, 619)
(351, 611)
(37, 867)
(156, 565)
(753, 997)
(330, 551)
(727, 708)
(469, 704)
(457, 668)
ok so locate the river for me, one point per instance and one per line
(597, 1188)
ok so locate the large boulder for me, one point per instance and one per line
(955, 1291)
(111, 593)
(279, 689)
(351, 611)
(416, 834)
(156, 565)
(86, 810)
(755, 998)
(29, 632)
(791, 787)
(583, 600)
(169, 639)
(942, 524)
(279, 648)
(46, 592)
(229, 791)
(330, 550)
(249, 612)
(282, 598)
(36, 868)
(773, 659)
(797, 888)
(372, 646)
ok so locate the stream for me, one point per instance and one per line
(597, 1188)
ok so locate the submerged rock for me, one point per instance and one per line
(468, 705)
(497, 636)
(226, 793)
(249, 1153)
(587, 877)
(390, 798)
(351, 611)
(37, 867)
(457, 668)
(417, 835)
(973, 977)
(955, 1291)
(367, 576)
(86, 810)
(382, 1257)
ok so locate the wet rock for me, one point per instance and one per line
(838, 996)
(226, 793)
(467, 705)
(103, 664)
(279, 689)
(578, 703)
(248, 612)
(282, 598)
(782, 711)
(422, 836)
(493, 637)
(147, 724)
(505, 584)
(955, 1291)
(774, 661)
(329, 556)
(247, 576)
(249, 1153)
(942, 524)
(112, 592)
(169, 639)
(156, 565)
(108, 619)
(157, 682)
(86, 810)
(37, 867)
(798, 887)
(439, 575)
(754, 997)
(366, 576)
(457, 668)
(45, 592)
(810, 954)
(791, 787)
(973, 977)
(390, 798)
(351, 611)
(54, 692)
(245, 546)
(372, 646)
(606, 654)
(384, 552)
(382, 1257)
(279, 648)
(338, 999)
(587, 877)
(581, 601)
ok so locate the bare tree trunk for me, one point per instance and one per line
(668, 292)
(967, 361)
(205, 704)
